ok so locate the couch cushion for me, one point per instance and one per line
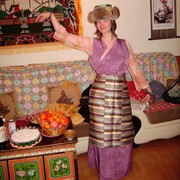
(67, 93)
(8, 105)
(162, 111)
(157, 89)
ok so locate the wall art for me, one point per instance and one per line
(18, 26)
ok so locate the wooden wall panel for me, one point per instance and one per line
(178, 61)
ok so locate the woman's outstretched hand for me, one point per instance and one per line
(148, 99)
(42, 17)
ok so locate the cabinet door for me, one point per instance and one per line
(60, 166)
(26, 168)
(3, 171)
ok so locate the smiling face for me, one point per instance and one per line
(104, 26)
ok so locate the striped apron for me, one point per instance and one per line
(110, 112)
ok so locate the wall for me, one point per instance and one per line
(133, 25)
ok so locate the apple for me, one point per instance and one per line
(60, 126)
(54, 124)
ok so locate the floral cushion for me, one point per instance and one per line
(66, 93)
(8, 105)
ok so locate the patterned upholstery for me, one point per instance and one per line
(31, 82)
(159, 66)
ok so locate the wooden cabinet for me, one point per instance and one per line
(31, 168)
(3, 170)
(53, 158)
(59, 166)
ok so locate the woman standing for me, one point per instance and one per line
(111, 125)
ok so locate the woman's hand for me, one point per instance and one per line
(42, 17)
(148, 99)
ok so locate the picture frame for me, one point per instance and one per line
(163, 14)
(163, 19)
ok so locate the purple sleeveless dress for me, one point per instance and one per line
(111, 126)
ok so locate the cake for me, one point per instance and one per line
(25, 138)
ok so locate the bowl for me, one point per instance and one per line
(53, 132)
(70, 134)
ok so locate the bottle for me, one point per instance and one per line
(6, 129)
(2, 135)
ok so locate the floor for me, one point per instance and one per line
(155, 160)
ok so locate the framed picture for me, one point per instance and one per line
(163, 14)
(163, 19)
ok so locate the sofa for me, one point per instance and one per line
(25, 89)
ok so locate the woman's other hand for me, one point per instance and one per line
(148, 99)
(42, 17)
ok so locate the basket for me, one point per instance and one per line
(53, 132)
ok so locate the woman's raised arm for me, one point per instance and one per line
(61, 35)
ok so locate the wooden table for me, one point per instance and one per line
(52, 158)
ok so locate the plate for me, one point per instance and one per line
(25, 147)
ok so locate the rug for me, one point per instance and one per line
(18, 26)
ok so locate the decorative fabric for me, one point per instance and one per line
(157, 89)
(31, 82)
(159, 66)
(18, 26)
(133, 93)
(110, 112)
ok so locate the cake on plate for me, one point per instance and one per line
(25, 138)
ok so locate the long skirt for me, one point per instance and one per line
(111, 127)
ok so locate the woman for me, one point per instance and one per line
(111, 125)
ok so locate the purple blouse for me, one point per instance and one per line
(115, 61)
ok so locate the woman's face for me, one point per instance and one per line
(104, 26)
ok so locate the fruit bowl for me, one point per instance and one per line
(53, 132)
(53, 123)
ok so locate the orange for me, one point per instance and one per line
(58, 120)
(64, 121)
(50, 119)
(50, 112)
(47, 126)
(54, 117)
(42, 116)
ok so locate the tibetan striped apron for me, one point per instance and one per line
(110, 112)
